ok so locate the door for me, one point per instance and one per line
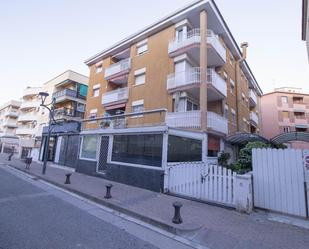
(102, 163)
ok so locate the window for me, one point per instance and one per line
(300, 129)
(191, 106)
(138, 106)
(299, 115)
(284, 99)
(298, 100)
(226, 111)
(89, 147)
(140, 76)
(98, 69)
(231, 59)
(233, 117)
(142, 47)
(181, 149)
(232, 86)
(224, 75)
(138, 149)
(92, 114)
(285, 114)
(286, 129)
(95, 92)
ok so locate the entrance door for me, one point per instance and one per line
(102, 163)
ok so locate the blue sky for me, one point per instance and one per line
(41, 39)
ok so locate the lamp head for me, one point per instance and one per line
(43, 96)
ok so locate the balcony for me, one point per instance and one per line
(29, 104)
(252, 98)
(192, 120)
(67, 94)
(31, 91)
(115, 97)
(254, 118)
(118, 72)
(10, 123)
(191, 78)
(30, 116)
(11, 113)
(68, 113)
(192, 40)
(24, 130)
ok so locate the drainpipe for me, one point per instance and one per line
(244, 47)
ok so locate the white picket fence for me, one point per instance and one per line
(207, 182)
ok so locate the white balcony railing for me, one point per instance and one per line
(192, 119)
(27, 116)
(180, 79)
(252, 96)
(216, 81)
(30, 91)
(217, 123)
(11, 113)
(116, 96)
(254, 117)
(194, 37)
(193, 76)
(25, 131)
(9, 123)
(118, 68)
(30, 104)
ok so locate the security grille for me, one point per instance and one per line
(102, 164)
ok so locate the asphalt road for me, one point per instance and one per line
(34, 215)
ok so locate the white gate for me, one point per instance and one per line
(208, 182)
(278, 180)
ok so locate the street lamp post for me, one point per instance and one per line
(51, 110)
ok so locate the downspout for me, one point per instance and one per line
(244, 47)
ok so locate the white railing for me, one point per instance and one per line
(193, 37)
(254, 117)
(217, 123)
(121, 94)
(25, 131)
(118, 67)
(190, 76)
(29, 104)
(216, 81)
(213, 39)
(252, 96)
(191, 119)
(12, 113)
(10, 123)
(31, 91)
(27, 116)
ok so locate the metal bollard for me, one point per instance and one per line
(108, 191)
(177, 218)
(10, 157)
(67, 180)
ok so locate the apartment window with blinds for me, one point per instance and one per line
(142, 47)
(300, 115)
(140, 79)
(285, 114)
(232, 86)
(284, 99)
(226, 111)
(233, 117)
(138, 106)
(96, 92)
(98, 69)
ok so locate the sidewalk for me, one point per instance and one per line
(208, 225)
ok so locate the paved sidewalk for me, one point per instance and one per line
(208, 225)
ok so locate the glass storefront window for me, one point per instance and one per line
(89, 147)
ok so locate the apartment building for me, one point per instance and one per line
(181, 86)
(9, 113)
(69, 91)
(285, 109)
(305, 24)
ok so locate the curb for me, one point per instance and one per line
(156, 223)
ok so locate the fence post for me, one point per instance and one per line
(243, 193)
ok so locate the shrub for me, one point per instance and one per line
(223, 159)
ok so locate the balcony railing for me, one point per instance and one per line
(30, 104)
(254, 117)
(11, 113)
(193, 37)
(30, 91)
(9, 123)
(65, 93)
(27, 116)
(214, 79)
(253, 98)
(192, 119)
(116, 96)
(25, 131)
(192, 76)
(118, 68)
(68, 112)
(217, 123)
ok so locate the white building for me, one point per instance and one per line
(9, 113)
(305, 24)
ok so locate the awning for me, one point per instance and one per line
(245, 137)
(112, 107)
(291, 136)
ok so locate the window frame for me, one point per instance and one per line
(81, 147)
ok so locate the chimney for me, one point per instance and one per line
(244, 46)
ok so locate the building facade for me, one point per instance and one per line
(285, 110)
(305, 24)
(9, 113)
(182, 75)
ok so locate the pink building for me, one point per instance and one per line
(284, 110)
